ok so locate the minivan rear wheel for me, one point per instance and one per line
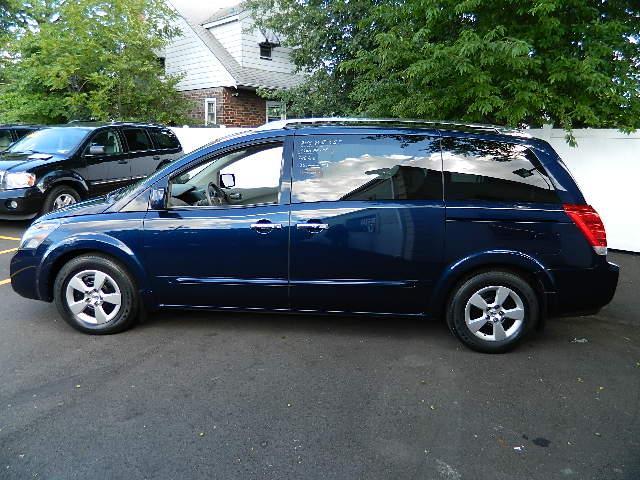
(96, 295)
(493, 311)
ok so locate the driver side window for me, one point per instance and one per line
(250, 176)
(107, 142)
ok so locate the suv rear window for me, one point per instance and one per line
(494, 171)
(164, 139)
(137, 139)
(366, 167)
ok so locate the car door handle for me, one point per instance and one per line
(235, 196)
(312, 227)
(123, 162)
(265, 226)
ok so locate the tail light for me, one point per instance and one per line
(588, 221)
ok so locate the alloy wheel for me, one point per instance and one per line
(63, 200)
(93, 297)
(494, 313)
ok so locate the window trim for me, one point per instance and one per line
(208, 101)
(283, 185)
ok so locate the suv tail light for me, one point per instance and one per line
(588, 221)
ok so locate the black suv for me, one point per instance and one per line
(57, 166)
(9, 134)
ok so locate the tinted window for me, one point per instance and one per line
(494, 171)
(137, 139)
(108, 139)
(5, 139)
(371, 167)
(21, 132)
(164, 139)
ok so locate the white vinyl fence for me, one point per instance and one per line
(605, 163)
(606, 166)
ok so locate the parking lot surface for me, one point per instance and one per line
(222, 396)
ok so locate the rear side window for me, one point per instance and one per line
(137, 139)
(366, 167)
(164, 139)
(494, 171)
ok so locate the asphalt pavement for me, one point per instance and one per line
(230, 396)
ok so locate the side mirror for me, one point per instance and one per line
(158, 199)
(227, 180)
(96, 150)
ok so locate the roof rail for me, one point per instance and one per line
(389, 122)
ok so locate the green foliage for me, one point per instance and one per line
(90, 59)
(574, 63)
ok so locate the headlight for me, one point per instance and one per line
(19, 180)
(35, 235)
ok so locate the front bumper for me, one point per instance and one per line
(583, 291)
(24, 274)
(22, 203)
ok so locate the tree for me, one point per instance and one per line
(574, 63)
(90, 59)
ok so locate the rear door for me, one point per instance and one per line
(367, 222)
(141, 152)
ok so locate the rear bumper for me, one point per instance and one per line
(583, 291)
(28, 203)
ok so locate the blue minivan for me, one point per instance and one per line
(478, 225)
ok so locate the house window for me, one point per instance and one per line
(266, 49)
(210, 111)
(275, 111)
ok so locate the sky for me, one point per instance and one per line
(205, 7)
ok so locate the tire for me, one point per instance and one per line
(56, 194)
(478, 317)
(102, 314)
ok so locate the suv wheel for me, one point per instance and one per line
(96, 295)
(60, 197)
(492, 311)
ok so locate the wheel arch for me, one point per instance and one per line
(63, 177)
(55, 258)
(523, 265)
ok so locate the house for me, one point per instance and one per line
(224, 60)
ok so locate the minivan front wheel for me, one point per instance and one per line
(96, 295)
(493, 311)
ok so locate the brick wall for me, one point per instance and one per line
(235, 108)
(243, 108)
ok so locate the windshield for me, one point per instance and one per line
(55, 141)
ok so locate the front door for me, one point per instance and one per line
(367, 222)
(107, 167)
(206, 250)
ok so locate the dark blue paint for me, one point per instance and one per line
(381, 257)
